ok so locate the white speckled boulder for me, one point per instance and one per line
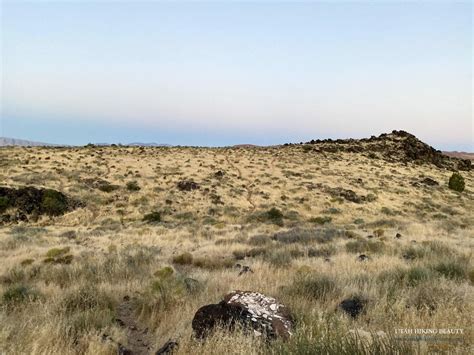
(262, 315)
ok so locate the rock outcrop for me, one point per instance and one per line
(398, 146)
(28, 203)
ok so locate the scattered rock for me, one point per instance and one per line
(187, 185)
(244, 269)
(255, 312)
(353, 306)
(167, 349)
(219, 174)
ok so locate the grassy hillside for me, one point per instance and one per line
(300, 216)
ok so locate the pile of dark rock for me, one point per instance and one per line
(187, 185)
(28, 203)
(398, 146)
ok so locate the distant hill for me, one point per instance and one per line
(4, 142)
(460, 155)
(8, 142)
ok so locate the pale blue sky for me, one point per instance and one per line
(219, 73)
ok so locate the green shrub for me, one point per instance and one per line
(324, 252)
(55, 252)
(108, 187)
(417, 275)
(153, 217)
(317, 287)
(451, 270)
(361, 246)
(321, 220)
(183, 259)
(274, 215)
(54, 203)
(164, 273)
(213, 263)
(4, 203)
(18, 294)
(282, 258)
(133, 186)
(456, 182)
(258, 240)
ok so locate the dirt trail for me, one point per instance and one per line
(138, 338)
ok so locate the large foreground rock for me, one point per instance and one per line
(253, 311)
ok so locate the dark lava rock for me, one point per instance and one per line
(167, 349)
(187, 185)
(255, 312)
(31, 202)
(429, 181)
(398, 146)
(219, 174)
(245, 269)
(353, 306)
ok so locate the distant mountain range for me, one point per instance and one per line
(6, 142)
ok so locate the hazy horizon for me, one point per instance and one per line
(225, 73)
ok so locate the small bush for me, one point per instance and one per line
(164, 273)
(417, 275)
(258, 240)
(281, 258)
(55, 252)
(274, 215)
(108, 187)
(54, 203)
(4, 204)
(183, 259)
(133, 186)
(317, 287)
(215, 263)
(153, 217)
(18, 294)
(361, 246)
(321, 220)
(27, 262)
(322, 252)
(456, 182)
(451, 270)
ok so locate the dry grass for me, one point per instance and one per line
(265, 209)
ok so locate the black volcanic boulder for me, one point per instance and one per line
(187, 185)
(253, 311)
(353, 306)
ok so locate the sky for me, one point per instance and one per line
(224, 73)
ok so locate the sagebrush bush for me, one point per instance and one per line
(183, 259)
(152, 217)
(17, 294)
(133, 186)
(456, 182)
(318, 287)
(451, 270)
(54, 203)
(321, 220)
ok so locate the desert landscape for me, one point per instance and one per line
(331, 247)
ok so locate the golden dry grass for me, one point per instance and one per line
(64, 308)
